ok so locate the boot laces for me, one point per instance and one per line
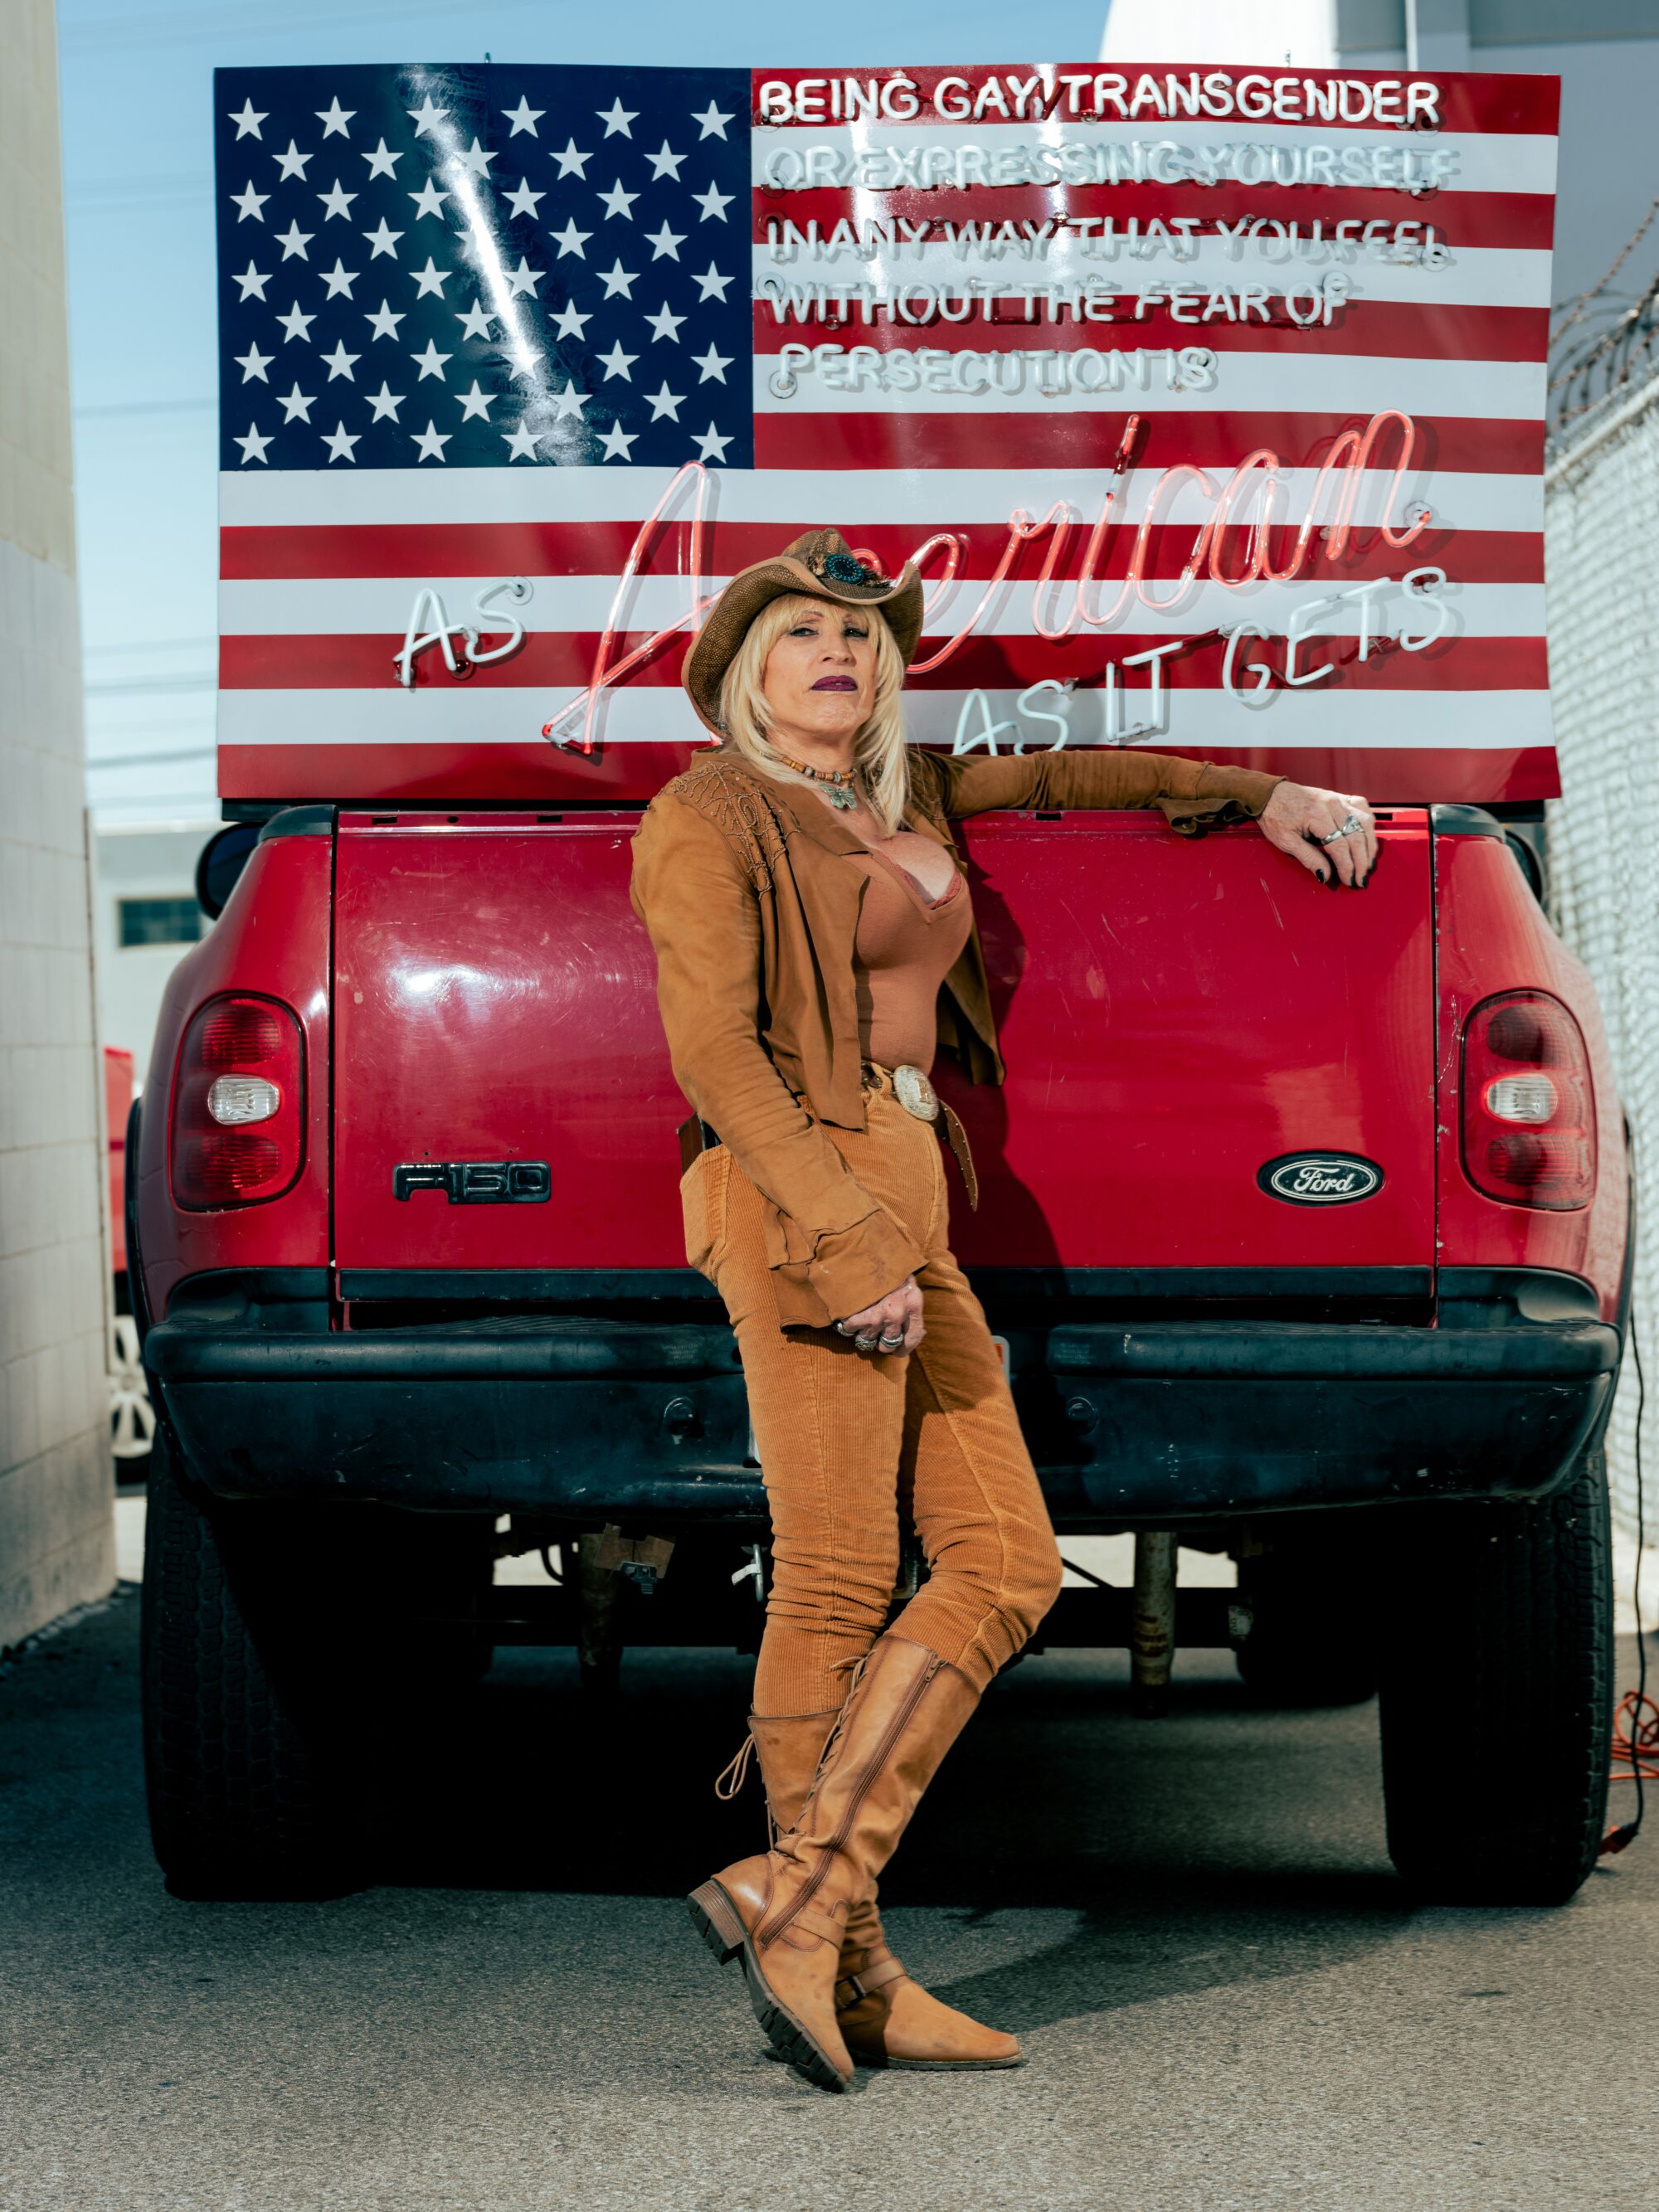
(853, 1669)
(732, 1775)
(735, 1773)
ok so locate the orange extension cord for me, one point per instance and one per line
(1635, 1741)
(1636, 1721)
(1635, 1738)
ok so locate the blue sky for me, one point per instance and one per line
(139, 197)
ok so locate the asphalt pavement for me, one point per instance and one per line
(1225, 1998)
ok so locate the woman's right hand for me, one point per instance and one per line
(892, 1324)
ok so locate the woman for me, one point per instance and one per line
(815, 941)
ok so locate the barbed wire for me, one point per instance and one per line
(1603, 341)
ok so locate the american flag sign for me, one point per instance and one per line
(1209, 401)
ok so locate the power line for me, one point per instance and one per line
(149, 760)
(105, 688)
(144, 407)
(109, 195)
(181, 722)
(224, 25)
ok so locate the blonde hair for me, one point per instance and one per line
(879, 745)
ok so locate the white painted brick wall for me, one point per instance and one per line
(56, 1527)
(1603, 578)
(57, 1523)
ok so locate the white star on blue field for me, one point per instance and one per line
(479, 266)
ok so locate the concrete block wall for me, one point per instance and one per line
(57, 1531)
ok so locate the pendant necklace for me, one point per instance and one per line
(839, 782)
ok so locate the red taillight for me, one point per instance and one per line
(1528, 1109)
(238, 1104)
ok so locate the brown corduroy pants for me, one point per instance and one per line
(849, 1442)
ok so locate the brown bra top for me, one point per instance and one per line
(905, 947)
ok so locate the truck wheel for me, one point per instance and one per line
(246, 1770)
(1313, 1630)
(1498, 1696)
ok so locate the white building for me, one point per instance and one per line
(57, 1497)
(145, 917)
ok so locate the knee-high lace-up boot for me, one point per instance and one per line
(786, 1910)
(885, 2016)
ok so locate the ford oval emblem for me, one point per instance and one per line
(1319, 1178)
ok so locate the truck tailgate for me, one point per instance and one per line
(495, 1000)
(1174, 1017)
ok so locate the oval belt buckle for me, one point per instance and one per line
(915, 1093)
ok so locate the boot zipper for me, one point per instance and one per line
(890, 1734)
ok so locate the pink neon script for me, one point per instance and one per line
(1350, 457)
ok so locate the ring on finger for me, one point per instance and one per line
(892, 1343)
(1353, 827)
(865, 1343)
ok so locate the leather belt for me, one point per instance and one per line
(915, 1091)
(695, 1137)
(909, 1086)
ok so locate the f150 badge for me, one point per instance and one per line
(477, 1182)
(1319, 1178)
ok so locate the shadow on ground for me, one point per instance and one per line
(1225, 2001)
(1219, 1845)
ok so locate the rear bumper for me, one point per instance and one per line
(1261, 1417)
(586, 1418)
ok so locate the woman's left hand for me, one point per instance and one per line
(1308, 824)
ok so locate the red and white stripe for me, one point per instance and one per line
(320, 569)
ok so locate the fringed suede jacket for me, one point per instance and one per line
(736, 876)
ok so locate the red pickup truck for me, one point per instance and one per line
(1306, 1223)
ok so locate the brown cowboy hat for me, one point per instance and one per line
(821, 564)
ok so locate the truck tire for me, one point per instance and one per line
(1313, 1629)
(248, 1776)
(1496, 1696)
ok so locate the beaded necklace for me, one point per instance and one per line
(839, 781)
